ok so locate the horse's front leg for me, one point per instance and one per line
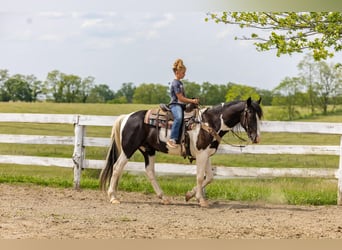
(208, 177)
(150, 171)
(204, 176)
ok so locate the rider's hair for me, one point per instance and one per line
(178, 65)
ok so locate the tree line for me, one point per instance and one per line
(317, 85)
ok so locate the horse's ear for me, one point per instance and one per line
(259, 101)
(249, 102)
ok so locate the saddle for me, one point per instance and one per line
(162, 118)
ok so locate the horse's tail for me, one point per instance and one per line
(113, 153)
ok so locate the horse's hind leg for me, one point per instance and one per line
(150, 172)
(114, 181)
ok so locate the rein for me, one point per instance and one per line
(213, 133)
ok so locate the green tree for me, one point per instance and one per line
(289, 32)
(85, 88)
(71, 88)
(36, 86)
(266, 96)
(100, 94)
(192, 89)
(53, 86)
(4, 75)
(328, 85)
(61, 87)
(322, 82)
(307, 68)
(16, 88)
(150, 93)
(212, 94)
(287, 94)
(241, 92)
(126, 91)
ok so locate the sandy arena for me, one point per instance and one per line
(34, 212)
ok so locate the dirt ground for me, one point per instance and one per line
(34, 212)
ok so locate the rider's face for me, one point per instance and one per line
(180, 74)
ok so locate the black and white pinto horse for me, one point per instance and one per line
(131, 133)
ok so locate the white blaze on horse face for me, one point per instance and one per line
(258, 128)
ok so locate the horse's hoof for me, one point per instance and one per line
(188, 196)
(204, 203)
(165, 201)
(114, 201)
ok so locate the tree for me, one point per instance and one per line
(3, 78)
(266, 96)
(286, 94)
(322, 82)
(61, 87)
(36, 86)
(241, 92)
(85, 87)
(192, 89)
(16, 88)
(328, 86)
(212, 94)
(150, 93)
(100, 94)
(307, 72)
(126, 91)
(289, 32)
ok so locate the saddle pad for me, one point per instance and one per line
(160, 118)
(157, 117)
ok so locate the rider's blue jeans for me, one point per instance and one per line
(177, 111)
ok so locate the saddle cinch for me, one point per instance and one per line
(162, 118)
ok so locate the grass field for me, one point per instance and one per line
(284, 190)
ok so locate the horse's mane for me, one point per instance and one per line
(218, 107)
(210, 112)
(255, 106)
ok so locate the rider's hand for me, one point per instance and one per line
(195, 101)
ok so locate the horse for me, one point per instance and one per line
(131, 133)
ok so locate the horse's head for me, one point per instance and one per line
(250, 119)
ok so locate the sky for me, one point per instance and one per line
(121, 43)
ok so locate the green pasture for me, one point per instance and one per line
(274, 190)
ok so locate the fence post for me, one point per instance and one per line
(78, 156)
(339, 178)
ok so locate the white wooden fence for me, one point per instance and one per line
(78, 160)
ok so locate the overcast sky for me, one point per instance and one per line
(118, 46)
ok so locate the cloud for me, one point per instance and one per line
(90, 23)
(52, 14)
(165, 21)
(153, 25)
(223, 34)
(51, 37)
(124, 28)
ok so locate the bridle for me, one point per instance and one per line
(244, 123)
(244, 119)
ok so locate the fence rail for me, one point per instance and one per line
(80, 142)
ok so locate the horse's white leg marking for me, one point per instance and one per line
(208, 179)
(114, 181)
(150, 172)
(202, 160)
